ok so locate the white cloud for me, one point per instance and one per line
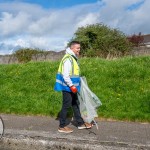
(11, 24)
(91, 17)
(48, 43)
(116, 15)
(21, 42)
(30, 25)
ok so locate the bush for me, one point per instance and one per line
(102, 40)
(25, 55)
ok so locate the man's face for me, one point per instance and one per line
(76, 49)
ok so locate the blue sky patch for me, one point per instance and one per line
(136, 5)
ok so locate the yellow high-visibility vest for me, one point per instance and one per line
(60, 84)
(75, 66)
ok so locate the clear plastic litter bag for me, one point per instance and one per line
(89, 102)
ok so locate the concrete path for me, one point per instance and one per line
(34, 132)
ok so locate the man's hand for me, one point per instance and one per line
(73, 89)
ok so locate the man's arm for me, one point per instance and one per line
(66, 71)
(67, 68)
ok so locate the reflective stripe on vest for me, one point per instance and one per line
(60, 84)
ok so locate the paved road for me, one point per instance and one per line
(42, 132)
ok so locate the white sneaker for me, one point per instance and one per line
(85, 126)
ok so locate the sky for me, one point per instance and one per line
(50, 24)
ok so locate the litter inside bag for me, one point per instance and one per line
(89, 102)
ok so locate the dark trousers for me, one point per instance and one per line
(70, 100)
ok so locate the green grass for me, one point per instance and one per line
(123, 85)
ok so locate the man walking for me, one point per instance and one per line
(68, 81)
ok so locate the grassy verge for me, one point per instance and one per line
(123, 85)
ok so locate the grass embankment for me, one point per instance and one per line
(123, 85)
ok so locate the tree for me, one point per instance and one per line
(100, 40)
(136, 40)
